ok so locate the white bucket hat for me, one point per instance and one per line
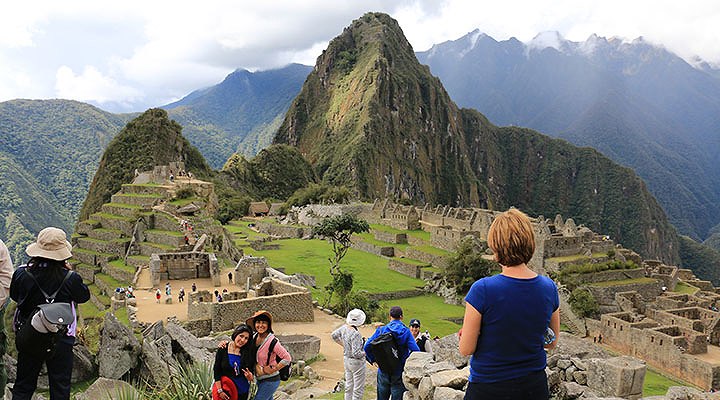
(51, 243)
(355, 317)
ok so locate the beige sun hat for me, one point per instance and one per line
(355, 317)
(51, 243)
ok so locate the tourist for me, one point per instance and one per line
(506, 317)
(390, 382)
(230, 277)
(267, 366)
(168, 290)
(194, 287)
(351, 340)
(158, 295)
(423, 339)
(130, 292)
(234, 363)
(6, 273)
(181, 295)
(46, 270)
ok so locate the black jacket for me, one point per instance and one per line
(26, 294)
(222, 363)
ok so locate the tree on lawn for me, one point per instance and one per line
(468, 264)
(339, 229)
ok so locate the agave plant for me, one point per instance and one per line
(193, 381)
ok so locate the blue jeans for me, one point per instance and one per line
(267, 387)
(389, 384)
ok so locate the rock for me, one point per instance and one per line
(310, 373)
(299, 367)
(578, 363)
(156, 370)
(564, 363)
(426, 389)
(455, 379)
(569, 372)
(570, 390)
(553, 378)
(447, 349)
(684, 393)
(580, 377)
(195, 349)
(154, 331)
(432, 368)
(572, 346)
(618, 376)
(119, 349)
(104, 388)
(84, 366)
(552, 360)
(307, 393)
(446, 393)
(414, 366)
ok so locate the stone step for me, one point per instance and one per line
(169, 238)
(138, 261)
(105, 234)
(116, 246)
(119, 270)
(142, 200)
(165, 222)
(84, 227)
(159, 190)
(112, 221)
(149, 248)
(91, 257)
(125, 210)
(87, 271)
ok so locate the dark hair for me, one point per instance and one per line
(240, 329)
(54, 267)
(263, 317)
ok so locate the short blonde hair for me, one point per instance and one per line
(511, 238)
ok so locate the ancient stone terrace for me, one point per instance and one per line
(184, 265)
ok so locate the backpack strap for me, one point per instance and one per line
(49, 298)
(271, 348)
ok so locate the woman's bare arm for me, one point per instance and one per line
(470, 330)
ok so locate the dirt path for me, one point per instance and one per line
(331, 369)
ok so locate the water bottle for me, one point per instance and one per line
(549, 336)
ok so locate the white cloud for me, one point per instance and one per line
(146, 53)
(92, 86)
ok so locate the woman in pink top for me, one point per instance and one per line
(269, 362)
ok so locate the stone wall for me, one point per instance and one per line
(448, 239)
(283, 231)
(605, 295)
(186, 265)
(199, 327)
(435, 260)
(291, 307)
(250, 267)
(387, 251)
(388, 237)
(411, 270)
(613, 275)
(561, 246)
(301, 347)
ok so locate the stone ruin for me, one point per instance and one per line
(185, 265)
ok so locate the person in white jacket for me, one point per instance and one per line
(6, 273)
(352, 342)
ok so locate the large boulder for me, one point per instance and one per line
(109, 389)
(616, 377)
(193, 349)
(84, 366)
(448, 349)
(119, 349)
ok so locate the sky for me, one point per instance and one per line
(131, 55)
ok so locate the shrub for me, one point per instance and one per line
(185, 193)
(583, 303)
(468, 265)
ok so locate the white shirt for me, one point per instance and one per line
(6, 273)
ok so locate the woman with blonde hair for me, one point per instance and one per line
(507, 316)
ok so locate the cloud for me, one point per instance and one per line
(92, 86)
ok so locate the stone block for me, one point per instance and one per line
(414, 367)
(456, 379)
(618, 376)
(446, 393)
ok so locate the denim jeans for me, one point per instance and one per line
(389, 384)
(267, 387)
(530, 387)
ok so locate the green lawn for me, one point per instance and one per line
(368, 237)
(657, 385)
(433, 250)
(430, 310)
(684, 288)
(623, 282)
(311, 257)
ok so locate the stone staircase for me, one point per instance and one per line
(568, 317)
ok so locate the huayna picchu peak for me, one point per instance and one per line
(371, 117)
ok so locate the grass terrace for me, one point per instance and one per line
(623, 282)
(685, 288)
(431, 311)
(184, 202)
(311, 257)
(369, 238)
(433, 250)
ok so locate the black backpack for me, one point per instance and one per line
(58, 316)
(284, 371)
(386, 352)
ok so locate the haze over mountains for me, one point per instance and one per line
(637, 103)
(371, 117)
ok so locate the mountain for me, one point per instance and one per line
(241, 113)
(372, 118)
(148, 140)
(49, 150)
(639, 104)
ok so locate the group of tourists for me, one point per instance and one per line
(510, 319)
(250, 362)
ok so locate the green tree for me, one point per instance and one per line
(339, 229)
(583, 303)
(468, 265)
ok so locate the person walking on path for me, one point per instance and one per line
(158, 295)
(351, 340)
(389, 383)
(267, 367)
(230, 277)
(181, 295)
(6, 273)
(47, 271)
(234, 363)
(507, 316)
